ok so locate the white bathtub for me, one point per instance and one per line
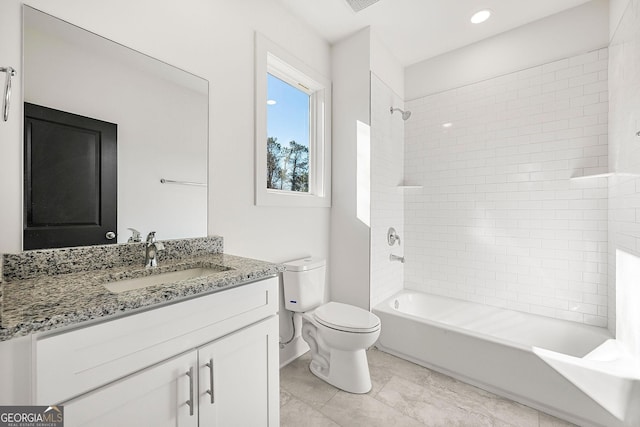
(492, 348)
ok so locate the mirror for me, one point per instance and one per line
(161, 114)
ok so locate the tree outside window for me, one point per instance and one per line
(287, 167)
(288, 115)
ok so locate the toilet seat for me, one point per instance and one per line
(347, 318)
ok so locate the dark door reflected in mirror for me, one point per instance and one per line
(70, 179)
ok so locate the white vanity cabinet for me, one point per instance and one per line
(161, 367)
(156, 397)
(233, 379)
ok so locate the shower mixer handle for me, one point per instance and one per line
(392, 237)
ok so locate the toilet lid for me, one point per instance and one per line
(346, 317)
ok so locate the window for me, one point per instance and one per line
(292, 130)
(288, 111)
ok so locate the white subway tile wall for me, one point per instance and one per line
(387, 200)
(624, 187)
(499, 221)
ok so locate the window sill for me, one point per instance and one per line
(291, 199)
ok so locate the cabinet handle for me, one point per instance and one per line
(210, 391)
(190, 401)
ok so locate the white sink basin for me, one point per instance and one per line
(161, 278)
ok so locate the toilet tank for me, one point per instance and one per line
(303, 283)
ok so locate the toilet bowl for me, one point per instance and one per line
(338, 348)
(337, 334)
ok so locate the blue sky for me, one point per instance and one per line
(288, 119)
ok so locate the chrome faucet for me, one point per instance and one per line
(393, 257)
(135, 236)
(152, 248)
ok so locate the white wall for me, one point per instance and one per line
(386, 66)
(568, 33)
(367, 167)
(617, 9)
(11, 132)
(213, 39)
(499, 222)
(349, 267)
(387, 200)
(624, 188)
(162, 129)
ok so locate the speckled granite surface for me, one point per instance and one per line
(29, 264)
(52, 300)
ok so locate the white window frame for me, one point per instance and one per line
(272, 59)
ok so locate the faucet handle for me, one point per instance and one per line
(392, 237)
(135, 237)
(151, 237)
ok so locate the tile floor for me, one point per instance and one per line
(403, 394)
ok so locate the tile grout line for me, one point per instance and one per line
(391, 407)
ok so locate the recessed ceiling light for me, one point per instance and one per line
(480, 16)
(447, 125)
(271, 102)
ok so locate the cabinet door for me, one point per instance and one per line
(239, 378)
(154, 397)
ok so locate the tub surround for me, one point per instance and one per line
(49, 289)
(499, 222)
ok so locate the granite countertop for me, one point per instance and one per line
(48, 302)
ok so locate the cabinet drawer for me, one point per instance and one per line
(77, 361)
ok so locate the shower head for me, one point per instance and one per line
(405, 114)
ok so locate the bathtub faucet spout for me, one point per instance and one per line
(393, 257)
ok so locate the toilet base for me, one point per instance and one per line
(348, 371)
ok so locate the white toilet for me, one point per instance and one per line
(338, 334)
